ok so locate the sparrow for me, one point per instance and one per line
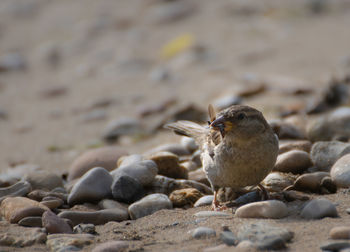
(238, 147)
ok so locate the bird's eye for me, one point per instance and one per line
(241, 116)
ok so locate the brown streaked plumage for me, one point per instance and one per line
(238, 148)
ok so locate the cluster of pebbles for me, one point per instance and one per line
(108, 185)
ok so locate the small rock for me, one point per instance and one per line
(129, 160)
(325, 154)
(228, 238)
(148, 205)
(100, 217)
(44, 180)
(127, 189)
(176, 149)
(310, 182)
(286, 131)
(110, 204)
(31, 221)
(335, 245)
(277, 181)
(121, 127)
(93, 186)
(84, 229)
(12, 62)
(54, 224)
(303, 145)
(143, 171)
(26, 212)
(12, 208)
(246, 245)
(271, 209)
(199, 176)
(318, 209)
(342, 232)
(52, 204)
(105, 157)
(204, 214)
(185, 197)
(168, 165)
(273, 243)
(203, 233)
(13, 174)
(21, 188)
(204, 201)
(112, 246)
(39, 195)
(294, 161)
(61, 242)
(189, 165)
(226, 101)
(340, 171)
(189, 144)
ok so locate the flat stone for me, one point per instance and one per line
(340, 171)
(148, 205)
(204, 201)
(112, 246)
(93, 186)
(270, 209)
(31, 221)
(55, 242)
(44, 180)
(185, 197)
(54, 224)
(202, 214)
(21, 188)
(97, 217)
(105, 157)
(341, 232)
(127, 189)
(303, 145)
(39, 195)
(277, 181)
(318, 209)
(169, 166)
(228, 238)
(310, 182)
(335, 245)
(286, 130)
(15, 208)
(52, 204)
(110, 204)
(294, 161)
(129, 160)
(203, 233)
(325, 154)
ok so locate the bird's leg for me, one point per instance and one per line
(265, 194)
(215, 205)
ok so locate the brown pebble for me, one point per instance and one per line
(341, 232)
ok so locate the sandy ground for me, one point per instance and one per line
(111, 49)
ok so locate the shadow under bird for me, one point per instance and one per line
(239, 148)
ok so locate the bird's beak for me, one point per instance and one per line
(222, 125)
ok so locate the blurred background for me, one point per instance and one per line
(76, 75)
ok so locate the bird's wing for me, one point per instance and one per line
(190, 129)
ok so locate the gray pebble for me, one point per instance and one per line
(203, 233)
(340, 171)
(202, 214)
(127, 189)
(204, 201)
(32, 221)
(335, 245)
(318, 209)
(228, 238)
(21, 188)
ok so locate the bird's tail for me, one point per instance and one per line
(187, 128)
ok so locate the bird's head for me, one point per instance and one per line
(240, 121)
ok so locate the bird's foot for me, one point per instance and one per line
(216, 206)
(265, 194)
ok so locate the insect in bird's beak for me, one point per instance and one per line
(220, 124)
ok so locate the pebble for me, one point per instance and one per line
(190, 166)
(303, 145)
(330, 126)
(93, 186)
(110, 204)
(185, 197)
(246, 245)
(169, 166)
(270, 209)
(262, 234)
(67, 242)
(129, 160)
(97, 217)
(199, 176)
(277, 181)
(112, 246)
(203, 214)
(31, 221)
(189, 143)
(12, 208)
(44, 180)
(204, 201)
(121, 127)
(127, 189)
(311, 182)
(21, 188)
(26, 212)
(176, 149)
(12, 62)
(54, 224)
(39, 195)
(143, 171)
(294, 161)
(341, 232)
(335, 245)
(228, 238)
(13, 174)
(203, 233)
(340, 171)
(325, 154)
(84, 229)
(52, 204)
(226, 101)
(318, 209)
(286, 131)
(105, 157)
(148, 205)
